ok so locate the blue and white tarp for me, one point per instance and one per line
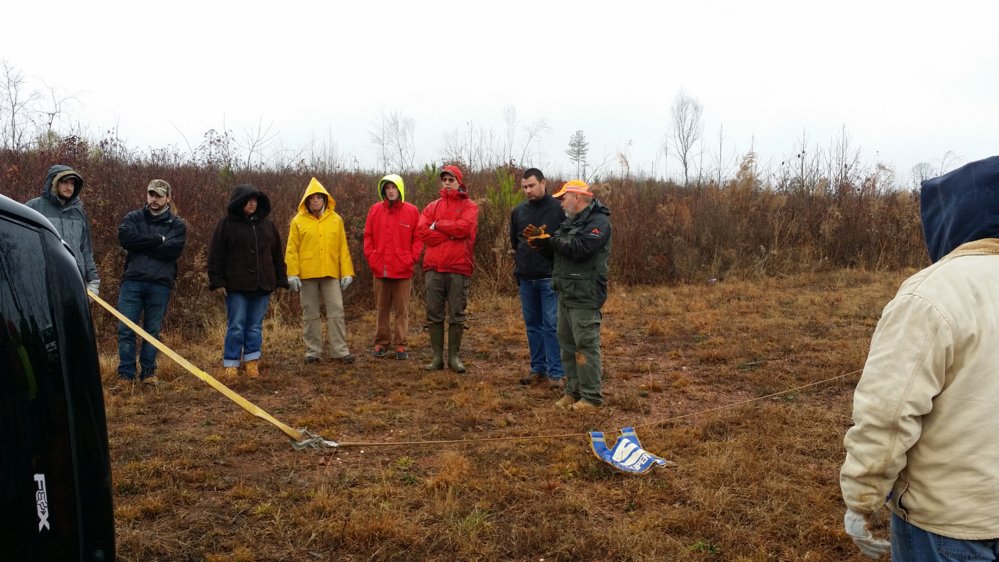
(627, 454)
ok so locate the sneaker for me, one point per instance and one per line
(531, 378)
(379, 351)
(346, 359)
(565, 403)
(584, 405)
(401, 353)
(309, 360)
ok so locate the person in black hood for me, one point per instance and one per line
(60, 203)
(245, 262)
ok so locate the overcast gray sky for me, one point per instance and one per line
(909, 81)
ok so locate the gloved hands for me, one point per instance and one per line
(345, 282)
(856, 525)
(294, 283)
(94, 287)
(536, 236)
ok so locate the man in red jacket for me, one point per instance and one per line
(392, 248)
(447, 227)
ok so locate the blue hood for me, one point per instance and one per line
(960, 206)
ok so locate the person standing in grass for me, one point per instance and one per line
(245, 262)
(581, 248)
(447, 227)
(320, 269)
(925, 435)
(60, 203)
(153, 238)
(392, 249)
(533, 272)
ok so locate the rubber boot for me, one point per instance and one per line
(454, 332)
(436, 330)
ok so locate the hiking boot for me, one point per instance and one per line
(252, 368)
(401, 353)
(584, 405)
(565, 403)
(454, 333)
(346, 359)
(532, 378)
(553, 383)
(310, 360)
(379, 351)
(151, 380)
(436, 331)
(229, 373)
(121, 384)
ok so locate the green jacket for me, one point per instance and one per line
(581, 247)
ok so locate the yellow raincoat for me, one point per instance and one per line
(317, 247)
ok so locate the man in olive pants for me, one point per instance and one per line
(581, 248)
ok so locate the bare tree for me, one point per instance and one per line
(15, 107)
(255, 140)
(922, 172)
(393, 136)
(534, 132)
(688, 124)
(509, 132)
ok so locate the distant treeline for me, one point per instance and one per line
(663, 232)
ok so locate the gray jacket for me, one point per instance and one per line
(69, 219)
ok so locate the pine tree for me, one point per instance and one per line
(578, 148)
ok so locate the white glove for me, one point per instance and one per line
(857, 524)
(345, 282)
(94, 287)
(294, 283)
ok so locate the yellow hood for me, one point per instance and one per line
(316, 187)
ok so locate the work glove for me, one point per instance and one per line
(531, 231)
(94, 287)
(345, 282)
(857, 526)
(223, 292)
(294, 283)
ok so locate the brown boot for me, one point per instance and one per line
(229, 374)
(252, 368)
(584, 405)
(565, 403)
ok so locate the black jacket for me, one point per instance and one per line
(581, 249)
(547, 211)
(153, 244)
(246, 254)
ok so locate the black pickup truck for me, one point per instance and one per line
(55, 470)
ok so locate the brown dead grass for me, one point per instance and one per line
(197, 478)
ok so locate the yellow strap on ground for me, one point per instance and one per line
(246, 404)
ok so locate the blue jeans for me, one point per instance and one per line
(148, 300)
(912, 544)
(245, 327)
(540, 308)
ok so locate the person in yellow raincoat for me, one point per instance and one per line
(320, 269)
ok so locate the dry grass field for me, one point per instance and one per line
(714, 376)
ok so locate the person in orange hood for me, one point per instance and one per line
(319, 264)
(448, 227)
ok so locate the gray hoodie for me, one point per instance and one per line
(69, 220)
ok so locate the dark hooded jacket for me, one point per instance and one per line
(246, 254)
(547, 211)
(581, 249)
(68, 218)
(960, 206)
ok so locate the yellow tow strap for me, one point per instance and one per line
(246, 404)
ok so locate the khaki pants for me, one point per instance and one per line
(446, 289)
(329, 289)
(392, 297)
(579, 340)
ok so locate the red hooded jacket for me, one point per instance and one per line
(391, 245)
(449, 245)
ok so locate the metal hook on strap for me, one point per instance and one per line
(313, 441)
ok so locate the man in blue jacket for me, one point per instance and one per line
(533, 271)
(153, 238)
